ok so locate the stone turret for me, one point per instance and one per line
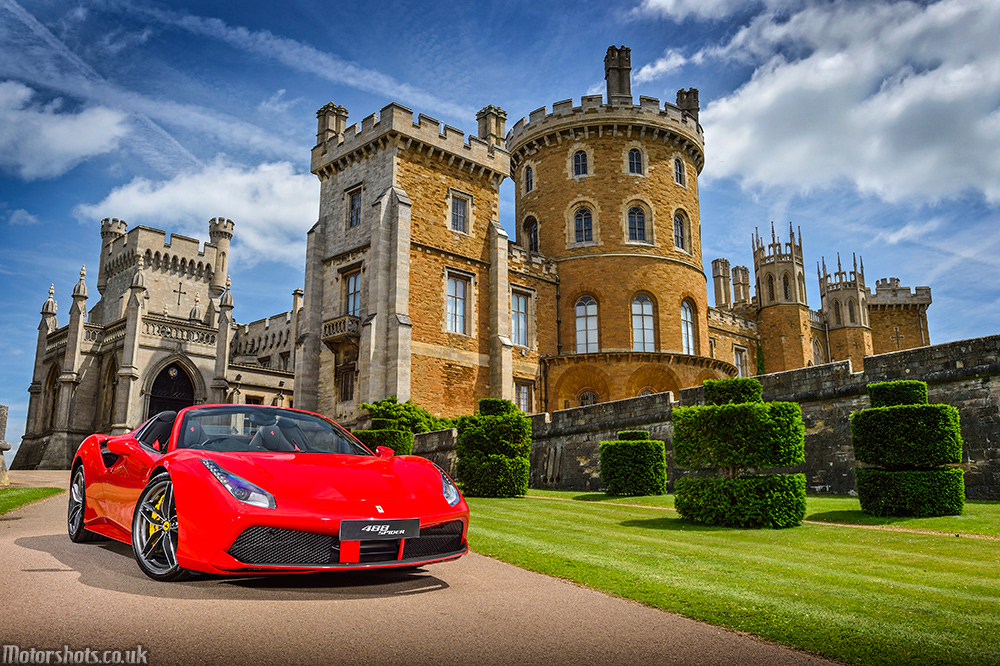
(783, 319)
(111, 229)
(618, 74)
(332, 123)
(844, 300)
(220, 230)
(223, 343)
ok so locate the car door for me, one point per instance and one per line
(125, 480)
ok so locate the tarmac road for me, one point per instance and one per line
(473, 611)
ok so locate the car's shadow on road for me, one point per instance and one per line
(110, 565)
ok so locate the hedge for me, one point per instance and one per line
(384, 424)
(493, 475)
(906, 392)
(506, 434)
(735, 390)
(493, 448)
(739, 436)
(634, 467)
(767, 500)
(919, 493)
(496, 407)
(907, 435)
(629, 435)
(399, 441)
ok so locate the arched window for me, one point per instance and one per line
(636, 224)
(687, 328)
(580, 163)
(770, 288)
(584, 226)
(642, 324)
(529, 179)
(850, 311)
(680, 235)
(531, 234)
(645, 392)
(588, 398)
(51, 399)
(586, 325)
(836, 313)
(678, 171)
(635, 161)
(786, 287)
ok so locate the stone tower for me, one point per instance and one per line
(898, 316)
(607, 190)
(783, 309)
(845, 309)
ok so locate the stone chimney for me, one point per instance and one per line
(332, 122)
(492, 125)
(618, 74)
(720, 276)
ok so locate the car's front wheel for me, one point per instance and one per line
(76, 509)
(154, 531)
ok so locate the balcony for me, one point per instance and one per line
(340, 330)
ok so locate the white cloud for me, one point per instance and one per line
(679, 10)
(909, 232)
(899, 100)
(272, 205)
(670, 62)
(40, 142)
(21, 217)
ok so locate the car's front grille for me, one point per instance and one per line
(273, 545)
(437, 540)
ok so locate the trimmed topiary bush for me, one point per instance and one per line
(400, 441)
(737, 390)
(493, 450)
(634, 465)
(765, 500)
(907, 436)
(919, 493)
(910, 442)
(384, 424)
(732, 438)
(626, 435)
(906, 392)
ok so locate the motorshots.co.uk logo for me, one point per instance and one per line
(15, 654)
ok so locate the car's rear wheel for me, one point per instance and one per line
(77, 507)
(154, 531)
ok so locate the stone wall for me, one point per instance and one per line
(4, 446)
(565, 450)
(438, 446)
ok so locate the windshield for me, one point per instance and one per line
(246, 428)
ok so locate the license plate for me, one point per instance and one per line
(369, 530)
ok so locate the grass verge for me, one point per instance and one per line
(14, 498)
(858, 595)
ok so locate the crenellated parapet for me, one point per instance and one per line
(395, 126)
(179, 254)
(646, 121)
(890, 295)
(731, 322)
(841, 280)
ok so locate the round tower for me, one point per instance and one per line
(220, 230)
(845, 312)
(783, 309)
(111, 229)
(610, 193)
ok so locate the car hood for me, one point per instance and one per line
(321, 478)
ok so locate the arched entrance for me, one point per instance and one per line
(172, 390)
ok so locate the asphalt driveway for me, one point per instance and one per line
(55, 593)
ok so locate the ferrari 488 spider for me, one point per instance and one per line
(246, 489)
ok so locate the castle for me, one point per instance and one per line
(413, 288)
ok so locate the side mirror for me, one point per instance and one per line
(384, 452)
(121, 447)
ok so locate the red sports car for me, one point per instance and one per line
(237, 489)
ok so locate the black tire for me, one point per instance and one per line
(154, 531)
(77, 506)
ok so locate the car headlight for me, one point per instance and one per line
(240, 488)
(449, 490)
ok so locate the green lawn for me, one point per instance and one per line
(13, 498)
(859, 595)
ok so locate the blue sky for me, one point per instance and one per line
(874, 126)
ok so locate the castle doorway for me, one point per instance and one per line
(172, 390)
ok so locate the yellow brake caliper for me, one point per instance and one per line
(156, 514)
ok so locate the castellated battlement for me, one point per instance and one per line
(731, 321)
(395, 125)
(183, 254)
(520, 260)
(593, 117)
(888, 292)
